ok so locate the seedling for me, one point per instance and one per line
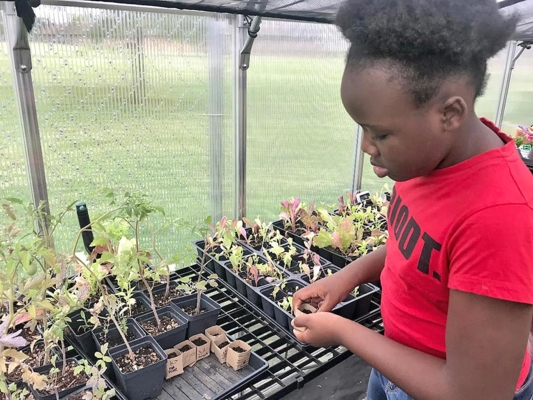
(290, 210)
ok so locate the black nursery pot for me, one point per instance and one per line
(215, 260)
(273, 310)
(82, 337)
(113, 334)
(172, 337)
(336, 259)
(141, 298)
(280, 226)
(44, 370)
(147, 382)
(249, 290)
(160, 288)
(198, 323)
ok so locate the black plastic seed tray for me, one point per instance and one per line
(351, 308)
(290, 365)
(208, 379)
(74, 351)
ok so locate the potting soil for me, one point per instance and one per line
(63, 379)
(167, 324)
(161, 301)
(138, 308)
(199, 342)
(143, 357)
(117, 340)
(191, 310)
(239, 350)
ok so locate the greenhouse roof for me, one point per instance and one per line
(303, 10)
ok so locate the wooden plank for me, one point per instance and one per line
(213, 374)
(178, 388)
(205, 375)
(197, 384)
(165, 396)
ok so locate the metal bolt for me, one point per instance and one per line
(23, 68)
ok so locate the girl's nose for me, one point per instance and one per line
(368, 146)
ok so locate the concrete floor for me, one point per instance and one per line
(346, 381)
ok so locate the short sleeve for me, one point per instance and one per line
(491, 254)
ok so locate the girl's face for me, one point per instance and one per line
(403, 141)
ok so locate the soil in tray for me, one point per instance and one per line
(161, 301)
(138, 308)
(239, 350)
(172, 355)
(143, 357)
(191, 310)
(199, 342)
(63, 379)
(223, 344)
(117, 340)
(35, 359)
(185, 348)
(167, 324)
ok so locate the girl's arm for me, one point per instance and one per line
(486, 341)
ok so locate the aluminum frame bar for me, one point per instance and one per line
(359, 157)
(240, 116)
(21, 67)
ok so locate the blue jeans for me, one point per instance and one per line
(380, 388)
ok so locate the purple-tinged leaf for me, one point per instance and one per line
(13, 340)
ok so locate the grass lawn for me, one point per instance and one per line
(300, 139)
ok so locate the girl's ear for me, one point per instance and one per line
(454, 113)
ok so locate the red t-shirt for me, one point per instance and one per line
(468, 227)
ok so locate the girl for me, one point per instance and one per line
(457, 271)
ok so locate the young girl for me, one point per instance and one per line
(457, 271)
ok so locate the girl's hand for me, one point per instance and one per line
(324, 294)
(319, 329)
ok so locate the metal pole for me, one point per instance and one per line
(506, 82)
(21, 66)
(239, 34)
(122, 7)
(215, 34)
(359, 157)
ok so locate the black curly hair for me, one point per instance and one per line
(426, 40)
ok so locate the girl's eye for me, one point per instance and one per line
(380, 137)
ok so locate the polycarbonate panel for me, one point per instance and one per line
(122, 99)
(13, 173)
(487, 105)
(300, 138)
(518, 110)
